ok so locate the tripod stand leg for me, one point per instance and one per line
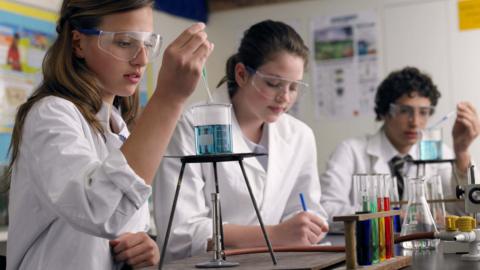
(270, 249)
(170, 219)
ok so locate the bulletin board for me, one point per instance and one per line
(25, 35)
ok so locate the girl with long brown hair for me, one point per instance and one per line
(79, 180)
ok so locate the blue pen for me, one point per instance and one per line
(302, 200)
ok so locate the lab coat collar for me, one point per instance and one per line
(380, 147)
(103, 115)
(117, 120)
(109, 113)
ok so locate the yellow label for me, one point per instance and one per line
(28, 11)
(469, 14)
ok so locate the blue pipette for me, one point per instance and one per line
(443, 119)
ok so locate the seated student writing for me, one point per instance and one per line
(263, 81)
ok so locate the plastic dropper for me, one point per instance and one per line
(205, 82)
(442, 120)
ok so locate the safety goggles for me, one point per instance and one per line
(272, 86)
(125, 46)
(407, 111)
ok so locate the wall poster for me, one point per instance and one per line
(345, 68)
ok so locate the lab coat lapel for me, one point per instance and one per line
(108, 114)
(279, 157)
(240, 146)
(376, 155)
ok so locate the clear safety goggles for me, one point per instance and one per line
(272, 86)
(125, 46)
(407, 111)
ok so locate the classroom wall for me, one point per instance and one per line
(422, 33)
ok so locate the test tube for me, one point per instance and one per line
(381, 221)
(387, 184)
(373, 209)
(397, 224)
(364, 227)
(362, 188)
(364, 241)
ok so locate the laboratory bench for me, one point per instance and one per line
(421, 260)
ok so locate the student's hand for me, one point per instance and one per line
(182, 63)
(304, 228)
(464, 132)
(136, 249)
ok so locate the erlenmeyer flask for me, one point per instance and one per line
(434, 191)
(418, 217)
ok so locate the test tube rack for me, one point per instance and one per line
(350, 221)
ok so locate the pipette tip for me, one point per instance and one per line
(205, 82)
(442, 120)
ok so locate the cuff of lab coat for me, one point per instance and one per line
(200, 238)
(287, 217)
(116, 168)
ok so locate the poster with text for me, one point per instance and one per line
(345, 68)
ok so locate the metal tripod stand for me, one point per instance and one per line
(219, 259)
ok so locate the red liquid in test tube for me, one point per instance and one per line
(388, 230)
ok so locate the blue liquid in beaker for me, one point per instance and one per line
(430, 150)
(213, 139)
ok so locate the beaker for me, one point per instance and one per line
(430, 145)
(213, 128)
(418, 217)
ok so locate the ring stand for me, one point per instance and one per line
(421, 164)
(219, 258)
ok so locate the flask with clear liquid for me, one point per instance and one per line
(418, 217)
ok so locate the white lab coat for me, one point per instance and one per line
(371, 154)
(71, 191)
(292, 168)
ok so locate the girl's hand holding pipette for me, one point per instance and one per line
(464, 132)
(181, 69)
(184, 58)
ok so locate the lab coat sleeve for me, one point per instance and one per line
(192, 225)
(94, 196)
(307, 181)
(336, 182)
